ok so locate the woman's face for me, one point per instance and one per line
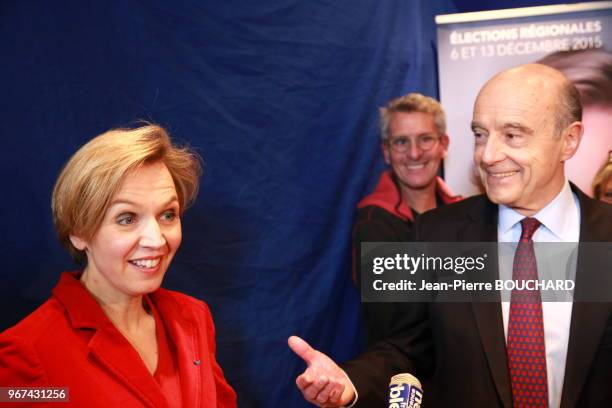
(141, 231)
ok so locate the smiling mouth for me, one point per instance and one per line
(145, 263)
(415, 166)
(502, 175)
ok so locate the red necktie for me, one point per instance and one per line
(525, 343)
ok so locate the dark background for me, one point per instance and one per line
(280, 97)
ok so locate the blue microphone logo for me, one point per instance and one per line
(405, 392)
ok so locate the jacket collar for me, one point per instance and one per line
(83, 310)
(387, 196)
(107, 345)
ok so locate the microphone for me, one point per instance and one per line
(405, 391)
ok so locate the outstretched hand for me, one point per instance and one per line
(323, 383)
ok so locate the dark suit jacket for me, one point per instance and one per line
(458, 349)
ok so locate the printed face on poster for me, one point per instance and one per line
(576, 39)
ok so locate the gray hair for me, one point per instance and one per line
(413, 102)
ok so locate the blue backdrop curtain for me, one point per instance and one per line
(280, 98)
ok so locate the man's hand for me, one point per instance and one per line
(323, 383)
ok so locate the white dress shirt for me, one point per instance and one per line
(560, 223)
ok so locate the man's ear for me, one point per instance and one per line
(385, 151)
(444, 141)
(78, 242)
(571, 140)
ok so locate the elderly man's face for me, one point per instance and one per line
(415, 167)
(518, 153)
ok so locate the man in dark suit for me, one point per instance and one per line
(526, 123)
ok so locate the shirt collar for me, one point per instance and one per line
(549, 216)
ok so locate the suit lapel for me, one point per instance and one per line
(586, 330)
(114, 352)
(482, 227)
(589, 319)
(183, 333)
(107, 345)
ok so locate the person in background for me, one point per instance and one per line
(413, 141)
(591, 73)
(109, 333)
(602, 184)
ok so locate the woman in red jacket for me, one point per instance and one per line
(109, 334)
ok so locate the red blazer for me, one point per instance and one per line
(69, 342)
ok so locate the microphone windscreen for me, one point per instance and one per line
(405, 391)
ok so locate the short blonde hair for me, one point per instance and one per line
(602, 178)
(88, 182)
(413, 102)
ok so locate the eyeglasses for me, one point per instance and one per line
(402, 144)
